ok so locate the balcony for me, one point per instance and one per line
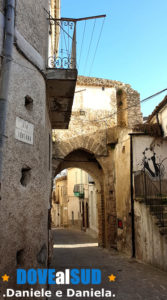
(61, 72)
(79, 190)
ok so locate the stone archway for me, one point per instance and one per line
(82, 159)
(101, 145)
(94, 143)
(100, 125)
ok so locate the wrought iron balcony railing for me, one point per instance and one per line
(65, 41)
(153, 194)
(79, 190)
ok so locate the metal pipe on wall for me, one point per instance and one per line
(132, 199)
(5, 72)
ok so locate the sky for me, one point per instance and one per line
(132, 47)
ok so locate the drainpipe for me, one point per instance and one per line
(5, 72)
(157, 118)
(132, 200)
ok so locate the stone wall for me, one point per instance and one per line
(93, 209)
(1, 5)
(26, 182)
(95, 142)
(1, 34)
(134, 115)
(151, 246)
(31, 22)
(122, 189)
(59, 211)
(24, 209)
(96, 107)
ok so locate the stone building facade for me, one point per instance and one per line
(59, 212)
(76, 176)
(99, 104)
(159, 116)
(93, 209)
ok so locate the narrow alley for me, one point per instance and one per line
(134, 280)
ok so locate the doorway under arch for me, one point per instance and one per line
(82, 159)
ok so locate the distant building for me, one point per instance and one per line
(93, 209)
(74, 201)
(60, 203)
(159, 116)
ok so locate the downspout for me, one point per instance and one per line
(160, 127)
(132, 199)
(5, 73)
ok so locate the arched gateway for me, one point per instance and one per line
(87, 161)
(97, 141)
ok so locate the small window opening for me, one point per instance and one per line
(19, 257)
(28, 102)
(25, 176)
(82, 113)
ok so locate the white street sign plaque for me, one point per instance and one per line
(24, 131)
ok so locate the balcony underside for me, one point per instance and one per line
(60, 94)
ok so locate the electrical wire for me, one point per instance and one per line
(97, 46)
(11, 59)
(57, 23)
(91, 39)
(65, 42)
(123, 109)
(82, 44)
(150, 97)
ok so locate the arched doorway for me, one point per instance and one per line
(86, 161)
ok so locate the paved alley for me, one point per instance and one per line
(134, 280)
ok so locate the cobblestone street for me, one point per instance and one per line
(134, 280)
